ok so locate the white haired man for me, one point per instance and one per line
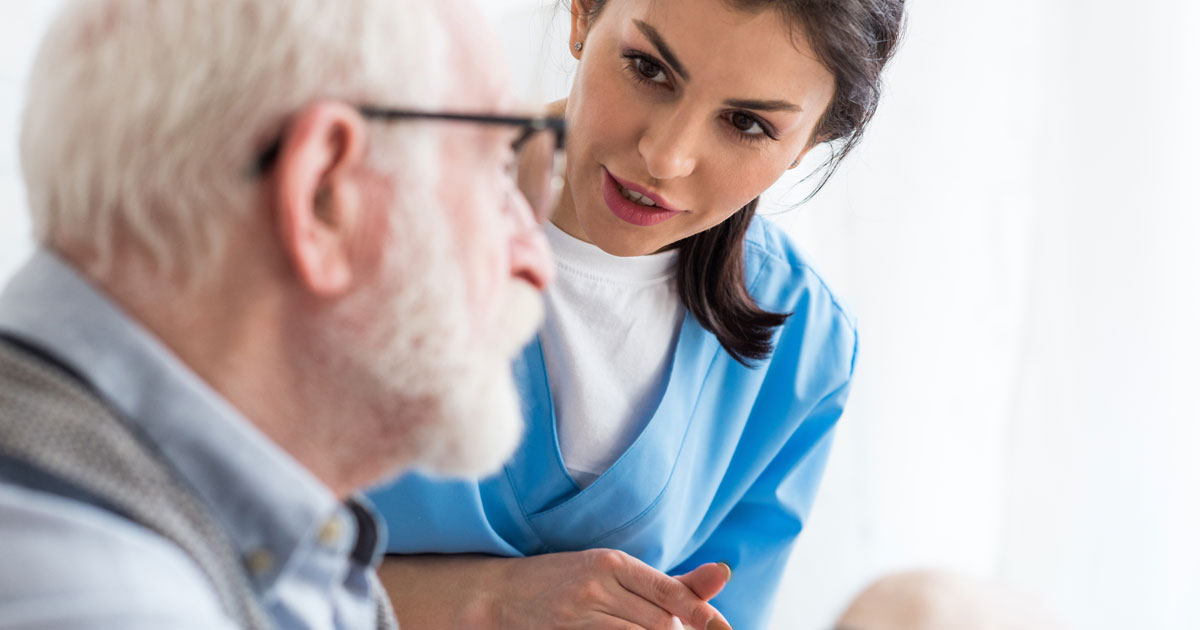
(283, 256)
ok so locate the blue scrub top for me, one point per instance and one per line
(725, 470)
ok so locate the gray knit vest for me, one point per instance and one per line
(57, 436)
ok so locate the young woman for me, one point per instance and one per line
(682, 395)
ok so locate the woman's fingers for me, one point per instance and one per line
(666, 592)
(601, 588)
(707, 580)
(610, 622)
(643, 614)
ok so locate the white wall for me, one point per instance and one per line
(1017, 238)
(20, 26)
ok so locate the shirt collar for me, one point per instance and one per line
(271, 505)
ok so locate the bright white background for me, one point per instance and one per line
(1017, 237)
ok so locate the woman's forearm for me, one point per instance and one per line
(443, 592)
(596, 588)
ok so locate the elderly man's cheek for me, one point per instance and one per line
(486, 266)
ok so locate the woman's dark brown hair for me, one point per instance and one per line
(854, 39)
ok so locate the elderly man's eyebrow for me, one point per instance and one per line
(664, 50)
(764, 106)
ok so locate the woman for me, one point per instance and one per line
(682, 394)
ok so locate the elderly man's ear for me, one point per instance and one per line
(319, 213)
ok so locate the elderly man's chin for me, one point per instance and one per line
(482, 423)
(414, 352)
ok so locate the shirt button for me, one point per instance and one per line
(331, 532)
(260, 562)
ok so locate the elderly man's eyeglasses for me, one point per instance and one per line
(537, 170)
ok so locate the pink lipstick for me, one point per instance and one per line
(632, 211)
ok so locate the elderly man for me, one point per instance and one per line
(277, 265)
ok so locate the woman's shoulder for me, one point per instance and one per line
(781, 277)
(820, 330)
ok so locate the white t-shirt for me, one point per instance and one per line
(610, 332)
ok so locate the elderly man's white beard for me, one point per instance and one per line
(443, 389)
(475, 422)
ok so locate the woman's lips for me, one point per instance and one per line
(631, 211)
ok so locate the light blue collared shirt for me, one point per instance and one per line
(65, 564)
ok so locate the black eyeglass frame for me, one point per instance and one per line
(529, 125)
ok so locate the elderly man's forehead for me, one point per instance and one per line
(478, 69)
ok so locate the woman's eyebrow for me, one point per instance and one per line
(668, 55)
(664, 50)
(765, 106)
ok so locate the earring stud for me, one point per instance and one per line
(578, 46)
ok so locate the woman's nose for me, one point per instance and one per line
(668, 147)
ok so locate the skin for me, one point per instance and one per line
(635, 115)
(595, 589)
(315, 241)
(680, 139)
(480, 149)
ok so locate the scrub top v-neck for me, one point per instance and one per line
(726, 469)
(562, 514)
(612, 324)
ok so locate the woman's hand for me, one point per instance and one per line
(597, 588)
(605, 588)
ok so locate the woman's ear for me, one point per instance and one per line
(816, 141)
(317, 205)
(800, 157)
(581, 11)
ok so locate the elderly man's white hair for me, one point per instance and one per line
(143, 116)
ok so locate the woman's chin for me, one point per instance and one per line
(624, 240)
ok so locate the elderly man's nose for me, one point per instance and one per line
(531, 259)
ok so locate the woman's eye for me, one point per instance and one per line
(650, 70)
(747, 124)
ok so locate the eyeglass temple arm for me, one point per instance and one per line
(531, 125)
